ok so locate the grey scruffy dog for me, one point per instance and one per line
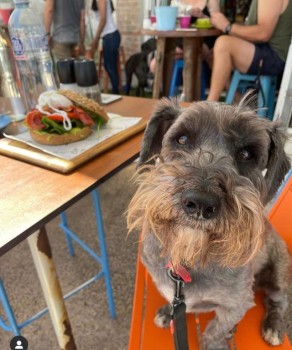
(200, 205)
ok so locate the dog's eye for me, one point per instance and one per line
(244, 155)
(182, 140)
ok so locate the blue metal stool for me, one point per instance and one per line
(102, 259)
(267, 94)
(176, 79)
(11, 324)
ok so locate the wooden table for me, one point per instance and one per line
(192, 54)
(31, 196)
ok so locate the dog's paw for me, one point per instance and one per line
(273, 336)
(273, 327)
(163, 317)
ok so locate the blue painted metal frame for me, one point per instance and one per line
(12, 326)
(176, 79)
(102, 259)
(268, 84)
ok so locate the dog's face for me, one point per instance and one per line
(203, 198)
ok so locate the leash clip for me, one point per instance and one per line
(179, 284)
(178, 325)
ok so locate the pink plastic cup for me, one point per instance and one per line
(153, 19)
(185, 21)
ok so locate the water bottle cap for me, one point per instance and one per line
(20, 2)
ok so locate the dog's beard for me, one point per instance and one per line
(231, 239)
(179, 246)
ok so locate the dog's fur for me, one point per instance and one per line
(200, 205)
(138, 65)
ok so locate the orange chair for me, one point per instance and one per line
(144, 335)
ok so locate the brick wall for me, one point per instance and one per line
(129, 20)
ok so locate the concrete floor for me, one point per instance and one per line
(88, 311)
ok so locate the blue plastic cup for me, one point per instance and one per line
(166, 17)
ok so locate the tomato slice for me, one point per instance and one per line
(82, 116)
(59, 118)
(34, 120)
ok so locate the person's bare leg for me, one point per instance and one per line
(229, 53)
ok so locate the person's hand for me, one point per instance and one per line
(92, 47)
(81, 48)
(196, 12)
(219, 21)
(50, 41)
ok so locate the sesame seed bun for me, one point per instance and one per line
(87, 104)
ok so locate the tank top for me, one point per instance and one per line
(66, 21)
(109, 27)
(281, 38)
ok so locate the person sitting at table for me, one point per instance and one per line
(203, 9)
(197, 9)
(264, 41)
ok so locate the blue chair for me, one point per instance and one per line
(267, 93)
(176, 79)
(11, 325)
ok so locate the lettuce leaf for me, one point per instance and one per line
(54, 127)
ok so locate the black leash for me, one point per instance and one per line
(178, 313)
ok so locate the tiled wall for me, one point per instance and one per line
(129, 19)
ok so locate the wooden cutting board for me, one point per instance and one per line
(21, 151)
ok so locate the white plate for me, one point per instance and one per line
(188, 29)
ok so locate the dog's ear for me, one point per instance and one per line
(165, 113)
(278, 163)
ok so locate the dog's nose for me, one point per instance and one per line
(200, 203)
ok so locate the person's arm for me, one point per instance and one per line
(268, 15)
(48, 14)
(102, 22)
(213, 6)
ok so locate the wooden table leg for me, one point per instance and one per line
(160, 50)
(169, 58)
(192, 50)
(165, 55)
(42, 256)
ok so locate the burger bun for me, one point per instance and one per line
(56, 139)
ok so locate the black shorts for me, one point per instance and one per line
(272, 64)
